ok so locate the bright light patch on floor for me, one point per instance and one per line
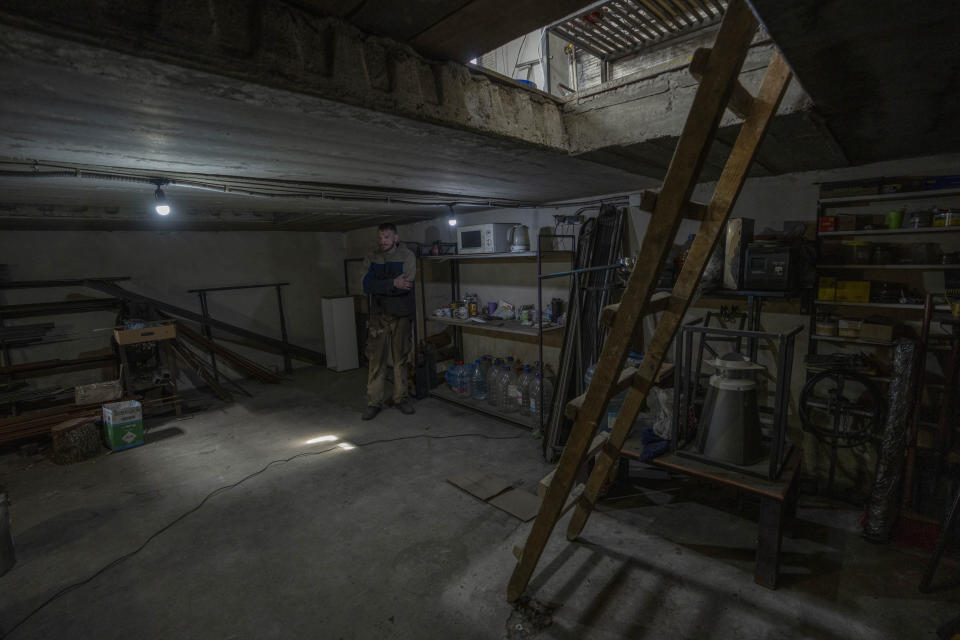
(321, 439)
(346, 445)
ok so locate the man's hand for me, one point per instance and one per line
(402, 283)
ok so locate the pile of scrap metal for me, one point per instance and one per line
(198, 352)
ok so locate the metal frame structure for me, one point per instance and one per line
(613, 29)
(205, 319)
(685, 385)
(454, 260)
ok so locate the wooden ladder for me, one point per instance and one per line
(717, 70)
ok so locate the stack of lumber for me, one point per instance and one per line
(39, 423)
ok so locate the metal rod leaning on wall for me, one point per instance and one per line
(543, 365)
(287, 363)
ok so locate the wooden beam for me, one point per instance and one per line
(658, 302)
(741, 100)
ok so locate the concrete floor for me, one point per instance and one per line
(372, 542)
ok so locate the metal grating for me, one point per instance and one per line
(614, 29)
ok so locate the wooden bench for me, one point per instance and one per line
(778, 501)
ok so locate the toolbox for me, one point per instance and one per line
(770, 268)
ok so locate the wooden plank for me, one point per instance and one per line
(690, 211)
(623, 382)
(741, 100)
(724, 197)
(774, 489)
(726, 59)
(658, 302)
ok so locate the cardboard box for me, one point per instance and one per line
(738, 233)
(97, 393)
(849, 188)
(848, 328)
(846, 222)
(166, 331)
(853, 291)
(123, 424)
(876, 330)
(827, 289)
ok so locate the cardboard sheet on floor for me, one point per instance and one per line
(499, 493)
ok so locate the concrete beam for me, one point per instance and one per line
(644, 106)
(275, 44)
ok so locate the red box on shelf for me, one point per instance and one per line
(827, 223)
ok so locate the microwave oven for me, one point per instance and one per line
(492, 237)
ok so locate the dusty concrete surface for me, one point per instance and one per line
(372, 542)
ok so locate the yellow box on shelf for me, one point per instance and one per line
(853, 291)
(827, 289)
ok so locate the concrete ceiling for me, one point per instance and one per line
(447, 29)
(884, 75)
(308, 102)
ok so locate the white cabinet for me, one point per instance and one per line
(339, 333)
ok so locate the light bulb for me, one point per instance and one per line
(452, 222)
(162, 207)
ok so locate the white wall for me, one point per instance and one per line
(164, 266)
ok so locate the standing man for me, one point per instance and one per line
(388, 277)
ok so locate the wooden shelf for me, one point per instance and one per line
(892, 267)
(514, 255)
(878, 305)
(886, 232)
(501, 326)
(875, 343)
(880, 197)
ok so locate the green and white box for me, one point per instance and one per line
(123, 424)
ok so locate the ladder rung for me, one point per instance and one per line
(598, 441)
(625, 380)
(741, 100)
(690, 211)
(658, 302)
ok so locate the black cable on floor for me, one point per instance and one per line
(218, 491)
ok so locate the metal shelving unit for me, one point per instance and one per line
(884, 232)
(907, 274)
(511, 327)
(878, 305)
(892, 267)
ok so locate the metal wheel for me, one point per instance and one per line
(842, 408)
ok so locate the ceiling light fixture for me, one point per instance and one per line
(452, 218)
(162, 206)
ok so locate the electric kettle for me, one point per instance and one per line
(519, 238)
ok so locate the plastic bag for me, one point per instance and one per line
(660, 402)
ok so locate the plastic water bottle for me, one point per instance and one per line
(493, 386)
(508, 391)
(539, 384)
(463, 380)
(523, 383)
(478, 382)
